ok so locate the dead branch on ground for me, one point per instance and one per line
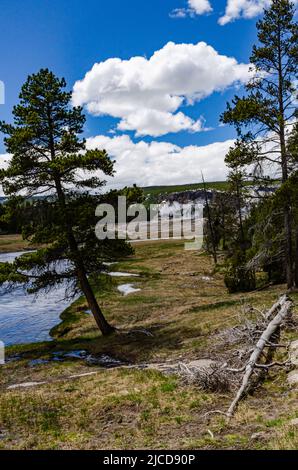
(259, 340)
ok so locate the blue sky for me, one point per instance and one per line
(69, 37)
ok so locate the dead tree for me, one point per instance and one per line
(261, 339)
(264, 341)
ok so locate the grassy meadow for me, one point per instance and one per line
(184, 306)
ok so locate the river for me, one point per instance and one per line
(26, 318)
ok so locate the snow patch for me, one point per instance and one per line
(127, 289)
(25, 385)
(119, 274)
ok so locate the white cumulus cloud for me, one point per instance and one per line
(157, 163)
(200, 6)
(162, 163)
(194, 7)
(146, 94)
(180, 13)
(236, 9)
(155, 123)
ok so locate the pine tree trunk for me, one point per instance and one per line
(289, 248)
(224, 246)
(214, 253)
(240, 217)
(101, 322)
(296, 257)
(284, 165)
(103, 325)
(287, 213)
(105, 328)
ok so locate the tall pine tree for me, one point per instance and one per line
(49, 158)
(264, 115)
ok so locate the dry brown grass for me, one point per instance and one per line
(11, 243)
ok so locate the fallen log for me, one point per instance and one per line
(285, 305)
(281, 301)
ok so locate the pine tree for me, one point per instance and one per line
(263, 116)
(49, 158)
(293, 189)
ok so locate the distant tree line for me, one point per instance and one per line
(18, 213)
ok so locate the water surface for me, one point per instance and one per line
(26, 318)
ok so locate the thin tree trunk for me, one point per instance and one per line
(284, 165)
(224, 247)
(101, 322)
(99, 317)
(296, 257)
(289, 250)
(287, 212)
(240, 215)
(210, 222)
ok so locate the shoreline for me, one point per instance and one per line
(46, 331)
(14, 243)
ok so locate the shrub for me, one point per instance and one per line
(239, 279)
